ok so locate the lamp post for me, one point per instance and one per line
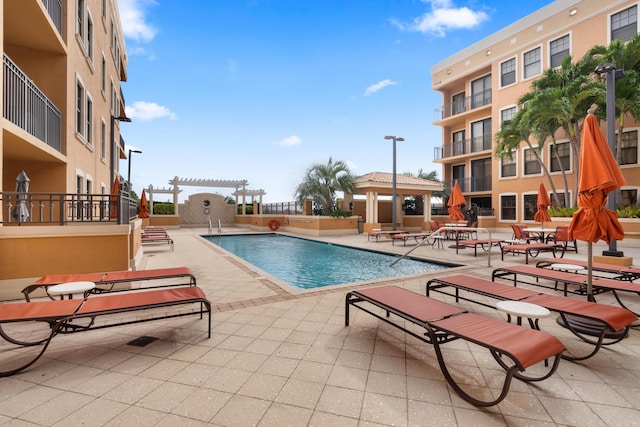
(113, 143)
(609, 70)
(393, 188)
(129, 169)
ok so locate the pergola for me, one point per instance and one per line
(377, 184)
(239, 185)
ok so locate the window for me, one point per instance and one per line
(561, 199)
(629, 148)
(481, 135)
(481, 92)
(458, 143)
(560, 157)
(481, 175)
(558, 49)
(508, 72)
(103, 75)
(624, 24)
(508, 207)
(89, 131)
(89, 46)
(457, 103)
(530, 206)
(507, 114)
(103, 9)
(80, 19)
(458, 175)
(629, 197)
(531, 163)
(508, 165)
(532, 63)
(103, 139)
(79, 108)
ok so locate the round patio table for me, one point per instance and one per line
(521, 309)
(70, 288)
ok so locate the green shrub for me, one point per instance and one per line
(248, 210)
(628, 211)
(163, 208)
(562, 211)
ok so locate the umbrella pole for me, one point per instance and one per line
(590, 272)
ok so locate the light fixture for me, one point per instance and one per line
(129, 169)
(573, 12)
(489, 52)
(393, 188)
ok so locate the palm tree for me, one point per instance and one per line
(321, 181)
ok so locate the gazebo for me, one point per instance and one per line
(376, 184)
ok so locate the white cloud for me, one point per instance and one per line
(444, 16)
(134, 20)
(290, 141)
(377, 86)
(148, 111)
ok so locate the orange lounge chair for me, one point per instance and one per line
(612, 322)
(157, 239)
(418, 237)
(530, 249)
(485, 244)
(68, 316)
(383, 233)
(107, 281)
(619, 272)
(513, 347)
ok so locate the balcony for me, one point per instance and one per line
(476, 100)
(458, 148)
(28, 108)
(67, 208)
(54, 9)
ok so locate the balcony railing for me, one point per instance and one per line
(28, 108)
(458, 148)
(469, 103)
(66, 208)
(472, 184)
(54, 9)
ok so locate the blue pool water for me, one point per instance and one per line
(307, 264)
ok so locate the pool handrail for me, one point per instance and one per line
(448, 228)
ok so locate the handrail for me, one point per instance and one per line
(219, 227)
(210, 229)
(449, 228)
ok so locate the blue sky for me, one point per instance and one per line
(262, 89)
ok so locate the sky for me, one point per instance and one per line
(260, 90)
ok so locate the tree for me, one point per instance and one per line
(416, 203)
(322, 181)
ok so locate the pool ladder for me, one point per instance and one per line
(211, 228)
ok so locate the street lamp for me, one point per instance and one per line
(113, 143)
(393, 191)
(609, 70)
(129, 169)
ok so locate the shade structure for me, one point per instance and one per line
(113, 199)
(599, 175)
(144, 206)
(456, 200)
(543, 203)
(20, 212)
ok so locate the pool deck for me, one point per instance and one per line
(283, 357)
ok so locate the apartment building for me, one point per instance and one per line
(62, 110)
(480, 86)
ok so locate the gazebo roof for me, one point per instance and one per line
(384, 181)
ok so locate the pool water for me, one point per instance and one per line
(307, 264)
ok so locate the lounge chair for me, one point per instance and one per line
(418, 237)
(529, 249)
(155, 239)
(600, 285)
(109, 280)
(383, 233)
(520, 233)
(485, 244)
(513, 347)
(619, 272)
(561, 238)
(612, 323)
(69, 316)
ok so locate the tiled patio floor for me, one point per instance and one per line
(279, 357)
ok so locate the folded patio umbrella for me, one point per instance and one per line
(115, 196)
(144, 207)
(543, 203)
(456, 199)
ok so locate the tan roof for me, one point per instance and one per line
(405, 182)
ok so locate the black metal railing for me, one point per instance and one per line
(458, 148)
(282, 208)
(472, 184)
(27, 107)
(66, 208)
(469, 103)
(54, 9)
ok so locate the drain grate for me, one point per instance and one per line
(142, 341)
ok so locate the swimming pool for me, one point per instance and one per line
(307, 264)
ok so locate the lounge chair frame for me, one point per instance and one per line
(530, 249)
(485, 244)
(63, 316)
(613, 322)
(619, 272)
(444, 323)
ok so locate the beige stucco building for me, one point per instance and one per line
(63, 106)
(480, 86)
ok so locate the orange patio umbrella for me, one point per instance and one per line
(115, 196)
(544, 202)
(144, 212)
(456, 199)
(599, 175)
